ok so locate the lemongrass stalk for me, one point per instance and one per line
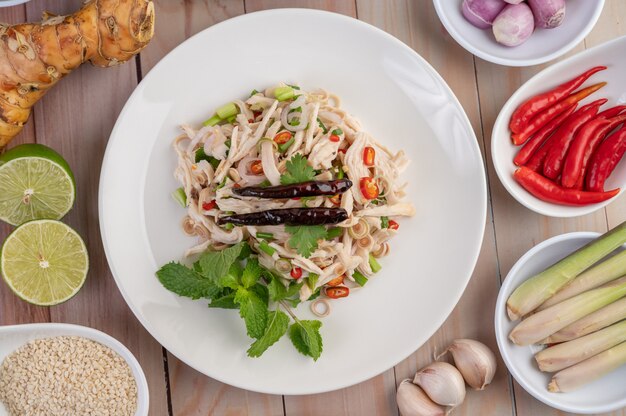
(601, 318)
(589, 370)
(542, 324)
(567, 354)
(536, 290)
(598, 275)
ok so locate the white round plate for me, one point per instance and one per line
(13, 337)
(543, 45)
(503, 151)
(398, 97)
(7, 3)
(603, 395)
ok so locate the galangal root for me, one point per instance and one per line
(34, 57)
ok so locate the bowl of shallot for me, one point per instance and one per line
(517, 32)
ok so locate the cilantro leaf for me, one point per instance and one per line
(224, 300)
(215, 264)
(277, 324)
(186, 282)
(305, 336)
(253, 311)
(298, 170)
(251, 273)
(304, 238)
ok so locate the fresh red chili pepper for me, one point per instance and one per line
(334, 138)
(342, 151)
(282, 137)
(393, 225)
(525, 112)
(296, 272)
(572, 166)
(611, 112)
(540, 137)
(565, 134)
(549, 113)
(255, 114)
(369, 188)
(369, 155)
(336, 281)
(256, 167)
(593, 144)
(546, 190)
(337, 292)
(207, 206)
(604, 160)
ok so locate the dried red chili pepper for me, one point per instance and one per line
(565, 134)
(549, 113)
(540, 137)
(604, 160)
(310, 188)
(546, 190)
(533, 106)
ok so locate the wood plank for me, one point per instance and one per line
(193, 393)
(375, 396)
(415, 25)
(13, 310)
(76, 118)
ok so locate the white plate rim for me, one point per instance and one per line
(563, 211)
(522, 62)
(500, 317)
(108, 164)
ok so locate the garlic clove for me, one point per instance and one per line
(475, 361)
(442, 382)
(412, 401)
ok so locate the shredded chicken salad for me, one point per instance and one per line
(294, 176)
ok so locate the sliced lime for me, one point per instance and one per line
(35, 183)
(44, 262)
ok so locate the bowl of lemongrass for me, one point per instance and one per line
(560, 321)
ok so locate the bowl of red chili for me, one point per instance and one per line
(558, 142)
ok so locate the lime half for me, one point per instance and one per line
(35, 183)
(44, 262)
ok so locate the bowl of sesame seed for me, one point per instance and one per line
(62, 369)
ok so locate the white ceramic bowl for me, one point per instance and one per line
(400, 100)
(503, 151)
(544, 45)
(14, 336)
(603, 395)
(7, 3)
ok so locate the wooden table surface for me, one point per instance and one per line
(77, 116)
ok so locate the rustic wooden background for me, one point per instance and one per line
(76, 119)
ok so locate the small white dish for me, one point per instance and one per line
(14, 336)
(503, 151)
(400, 100)
(603, 395)
(544, 44)
(7, 3)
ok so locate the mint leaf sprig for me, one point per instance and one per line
(222, 277)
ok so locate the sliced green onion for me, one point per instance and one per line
(359, 278)
(266, 248)
(311, 280)
(337, 132)
(334, 233)
(223, 183)
(229, 226)
(180, 197)
(282, 265)
(231, 119)
(263, 140)
(282, 148)
(305, 199)
(295, 87)
(539, 288)
(384, 222)
(266, 236)
(284, 93)
(374, 264)
(265, 183)
(254, 92)
(212, 121)
(200, 155)
(340, 173)
(227, 111)
(324, 129)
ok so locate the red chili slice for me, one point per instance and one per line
(207, 206)
(369, 155)
(336, 281)
(369, 188)
(334, 138)
(282, 137)
(337, 292)
(296, 272)
(256, 167)
(393, 225)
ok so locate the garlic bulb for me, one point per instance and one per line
(475, 361)
(442, 382)
(412, 401)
